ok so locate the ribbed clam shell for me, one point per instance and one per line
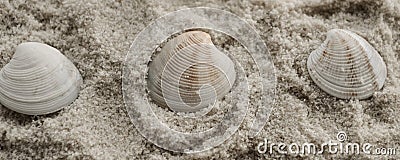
(347, 66)
(190, 73)
(38, 80)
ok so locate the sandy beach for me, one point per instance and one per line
(97, 35)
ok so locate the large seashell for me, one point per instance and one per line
(347, 66)
(190, 73)
(38, 80)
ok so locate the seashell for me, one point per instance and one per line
(347, 66)
(190, 73)
(38, 80)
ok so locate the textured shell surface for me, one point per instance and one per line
(347, 66)
(38, 80)
(190, 73)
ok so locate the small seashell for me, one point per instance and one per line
(38, 80)
(347, 66)
(190, 73)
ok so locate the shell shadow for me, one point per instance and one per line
(20, 119)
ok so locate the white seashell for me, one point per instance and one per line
(190, 73)
(38, 80)
(347, 66)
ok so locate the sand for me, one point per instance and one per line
(96, 36)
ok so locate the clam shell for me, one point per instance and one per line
(38, 80)
(190, 73)
(347, 66)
